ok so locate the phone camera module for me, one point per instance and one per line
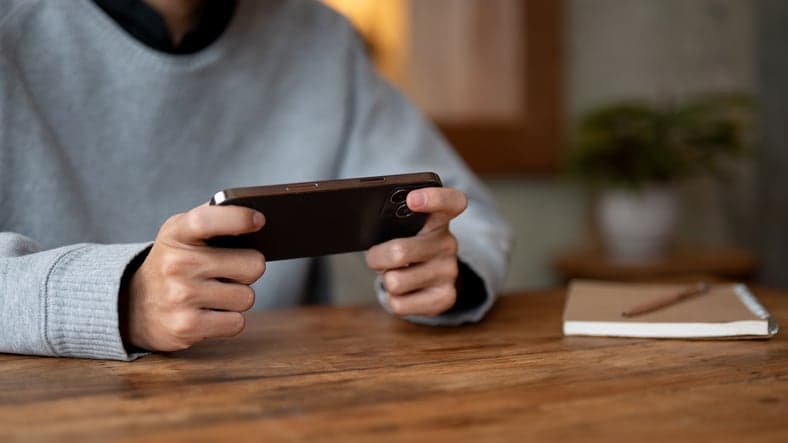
(403, 211)
(399, 196)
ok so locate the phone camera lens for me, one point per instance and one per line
(403, 211)
(399, 196)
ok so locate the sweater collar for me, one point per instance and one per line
(142, 22)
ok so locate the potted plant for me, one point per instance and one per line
(635, 151)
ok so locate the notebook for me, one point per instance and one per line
(725, 311)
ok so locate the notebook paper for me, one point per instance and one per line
(726, 310)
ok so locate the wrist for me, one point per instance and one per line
(125, 299)
(471, 292)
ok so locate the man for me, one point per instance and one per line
(116, 114)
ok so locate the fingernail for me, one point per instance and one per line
(257, 218)
(417, 199)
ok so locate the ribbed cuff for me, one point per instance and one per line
(81, 293)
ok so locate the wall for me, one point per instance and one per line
(773, 158)
(666, 49)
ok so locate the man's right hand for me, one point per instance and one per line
(186, 291)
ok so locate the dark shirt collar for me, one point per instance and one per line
(147, 26)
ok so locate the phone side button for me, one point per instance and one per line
(302, 187)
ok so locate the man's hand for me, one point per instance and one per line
(185, 291)
(419, 272)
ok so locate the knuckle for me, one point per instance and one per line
(397, 253)
(237, 324)
(171, 265)
(182, 326)
(445, 300)
(248, 297)
(449, 297)
(397, 306)
(463, 199)
(372, 257)
(180, 294)
(261, 263)
(171, 224)
(450, 245)
(198, 222)
(392, 281)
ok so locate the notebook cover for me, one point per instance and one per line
(596, 301)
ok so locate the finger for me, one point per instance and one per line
(402, 252)
(204, 222)
(417, 277)
(432, 301)
(443, 204)
(225, 296)
(244, 266)
(221, 324)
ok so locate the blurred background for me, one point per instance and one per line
(639, 139)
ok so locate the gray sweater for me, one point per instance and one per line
(102, 139)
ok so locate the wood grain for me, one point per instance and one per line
(357, 374)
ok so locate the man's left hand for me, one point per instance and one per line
(419, 272)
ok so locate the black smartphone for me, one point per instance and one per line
(310, 219)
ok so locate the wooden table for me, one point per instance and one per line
(342, 374)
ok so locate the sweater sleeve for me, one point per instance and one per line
(64, 301)
(386, 134)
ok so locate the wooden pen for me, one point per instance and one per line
(653, 305)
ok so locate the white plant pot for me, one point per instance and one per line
(637, 225)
